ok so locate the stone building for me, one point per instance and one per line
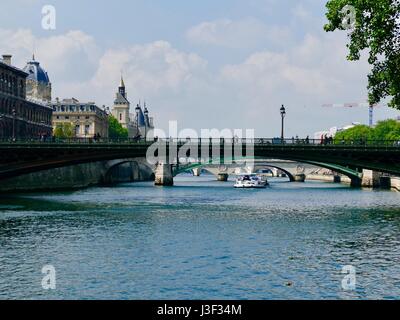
(138, 123)
(38, 86)
(20, 118)
(142, 121)
(87, 119)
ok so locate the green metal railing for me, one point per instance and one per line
(208, 141)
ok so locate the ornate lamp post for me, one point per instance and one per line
(146, 117)
(137, 120)
(14, 113)
(283, 114)
(1, 129)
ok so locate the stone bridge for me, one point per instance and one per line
(349, 158)
(295, 171)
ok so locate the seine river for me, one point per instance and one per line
(201, 239)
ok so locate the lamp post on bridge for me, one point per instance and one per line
(283, 114)
(14, 113)
(1, 127)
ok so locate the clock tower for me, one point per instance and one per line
(121, 106)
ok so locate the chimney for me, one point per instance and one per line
(7, 59)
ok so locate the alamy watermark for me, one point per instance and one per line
(349, 17)
(49, 281)
(49, 16)
(349, 281)
(210, 146)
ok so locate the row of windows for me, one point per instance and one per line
(11, 84)
(22, 130)
(21, 109)
(74, 108)
(78, 129)
(71, 118)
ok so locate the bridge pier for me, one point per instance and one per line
(385, 183)
(375, 179)
(356, 182)
(163, 175)
(196, 172)
(301, 177)
(371, 179)
(223, 177)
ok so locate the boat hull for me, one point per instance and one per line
(250, 187)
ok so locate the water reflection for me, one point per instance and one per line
(201, 240)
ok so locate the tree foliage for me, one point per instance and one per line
(356, 133)
(376, 28)
(64, 130)
(388, 130)
(116, 130)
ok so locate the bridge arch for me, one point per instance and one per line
(111, 165)
(288, 173)
(204, 167)
(353, 174)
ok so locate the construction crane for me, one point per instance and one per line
(356, 105)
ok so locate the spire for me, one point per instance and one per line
(33, 50)
(122, 83)
(121, 88)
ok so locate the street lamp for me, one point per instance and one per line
(146, 117)
(283, 114)
(1, 129)
(14, 113)
(138, 109)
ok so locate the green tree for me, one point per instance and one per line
(373, 25)
(388, 130)
(357, 133)
(64, 130)
(116, 130)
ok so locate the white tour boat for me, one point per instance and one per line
(251, 181)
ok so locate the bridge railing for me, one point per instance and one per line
(209, 141)
(83, 141)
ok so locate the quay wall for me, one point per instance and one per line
(328, 178)
(370, 180)
(395, 183)
(78, 176)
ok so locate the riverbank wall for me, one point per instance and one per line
(370, 179)
(79, 176)
(395, 183)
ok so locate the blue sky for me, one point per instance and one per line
(207, 64)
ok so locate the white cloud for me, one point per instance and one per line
(268, 73)
(156, 71)
(244, 33)
(149, 68)
(181, 86)
(70, 56)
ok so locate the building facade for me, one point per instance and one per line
(87, 119)
(139, 124)
(19, 117)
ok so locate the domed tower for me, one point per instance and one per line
(38, 86)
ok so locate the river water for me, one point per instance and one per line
(201, 239)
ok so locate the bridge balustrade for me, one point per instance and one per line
(210, 141)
